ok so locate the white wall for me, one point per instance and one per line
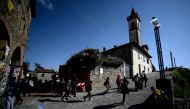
(143, 62)
(47, 76)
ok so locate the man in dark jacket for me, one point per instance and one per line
(88, 90)
(124, 88)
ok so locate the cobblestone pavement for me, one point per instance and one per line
(100, 100)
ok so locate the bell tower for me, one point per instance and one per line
(134, 27)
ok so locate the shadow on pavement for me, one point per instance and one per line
(74, 101)
(109, 106)
(48, 100)
(99, 94)
(150, 104)
(39, 95)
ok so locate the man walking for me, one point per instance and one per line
(124, 88)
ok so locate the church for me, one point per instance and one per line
(135, 55)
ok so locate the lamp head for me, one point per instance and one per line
(154, 21)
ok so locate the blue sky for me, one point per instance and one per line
(65, 27)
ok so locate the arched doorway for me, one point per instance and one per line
(4, 39)
(15, 62)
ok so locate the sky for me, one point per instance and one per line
(65, 27)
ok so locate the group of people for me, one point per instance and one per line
(159, 96)
(140, 79)
(69, 87)
(122, 85)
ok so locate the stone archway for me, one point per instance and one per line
(15, 62)
(4, 38)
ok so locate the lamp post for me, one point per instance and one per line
(154, 21)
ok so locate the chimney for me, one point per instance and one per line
(145, 47)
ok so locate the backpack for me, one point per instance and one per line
(124, 88)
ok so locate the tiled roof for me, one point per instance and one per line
(128, 45)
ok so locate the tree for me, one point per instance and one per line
(37, 65)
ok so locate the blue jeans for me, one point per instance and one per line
(10, 102)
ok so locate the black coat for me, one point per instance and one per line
(124, 88)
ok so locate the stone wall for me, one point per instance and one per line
(98, 79)
(17, 22)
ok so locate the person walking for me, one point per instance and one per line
(124, 89)
(67, 90)
(107, 85)
(11, 90)
(74, 88)
(118, 82)
(18, 98)
(145, 78)
(136, 80)
(88, 90)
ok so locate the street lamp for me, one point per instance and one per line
(154, 21)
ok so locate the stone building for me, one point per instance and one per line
(89, 64)
(134, 54)
(44, 74)
(15, 19)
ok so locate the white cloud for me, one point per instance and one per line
(47, 4)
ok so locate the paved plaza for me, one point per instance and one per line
(100, 100)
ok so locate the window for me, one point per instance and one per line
(144, 68)
(139, 68)
(101, 71)
(147, 61)
(138, 55)
(98, 70)
(143, 59)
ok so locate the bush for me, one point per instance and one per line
(181, 79)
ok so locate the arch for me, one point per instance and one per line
(4, 38)
(15, 62)
(16, 57)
